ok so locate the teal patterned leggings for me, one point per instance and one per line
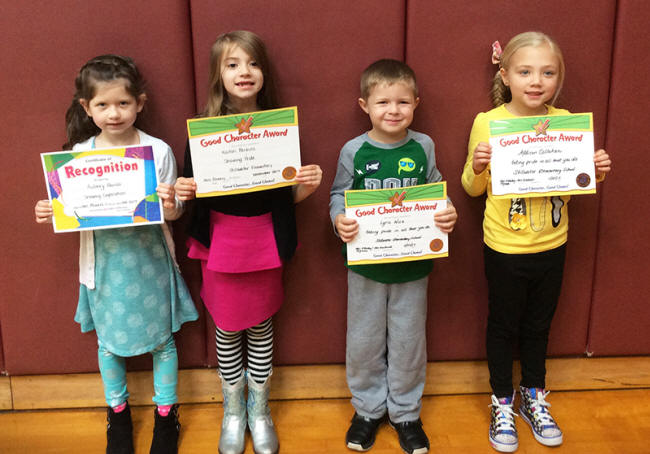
(165, 374)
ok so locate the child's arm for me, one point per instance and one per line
(603, 164)
(172, 207)
(309, 178)
(479, 153)
(344, 227)
(43, 212)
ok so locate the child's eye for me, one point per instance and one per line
(254, 63)
(231, 65)
(549, 73)
(524, 72)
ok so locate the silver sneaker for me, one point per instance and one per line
(233, 426)
(265, 440)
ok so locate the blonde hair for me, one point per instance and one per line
(387, 71)
(218, 102)
(500, 92)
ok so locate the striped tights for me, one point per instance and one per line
(259, 346)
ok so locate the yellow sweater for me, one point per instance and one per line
(514, 226)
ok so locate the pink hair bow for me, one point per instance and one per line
(496, 53)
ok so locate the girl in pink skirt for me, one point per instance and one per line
(242, 241)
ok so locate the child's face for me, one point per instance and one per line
(242, 77)
(533, 78)
(112, 108)
(390, 107)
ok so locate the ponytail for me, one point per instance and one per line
(500, 93)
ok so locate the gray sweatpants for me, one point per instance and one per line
(386, 354)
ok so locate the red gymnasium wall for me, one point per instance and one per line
(318, 53)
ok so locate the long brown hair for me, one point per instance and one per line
(500, 92)
(104, 68)
(218, 102)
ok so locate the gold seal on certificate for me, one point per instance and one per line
(542, 156)
(244, 152)
(396, 225)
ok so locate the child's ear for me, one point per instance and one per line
(140, 101)
(84, 104)
(415, 103)
(363, 104)
(504, 76)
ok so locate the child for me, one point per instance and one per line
(227, 232)
(131, 291)
(524, 243)
(387, 303)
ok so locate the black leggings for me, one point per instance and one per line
(523, 294)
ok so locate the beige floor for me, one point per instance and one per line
(594, 422)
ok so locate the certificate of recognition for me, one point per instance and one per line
(396, 225)
(543, 156)
(102, 188)
(244, 152)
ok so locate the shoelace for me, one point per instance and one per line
(505, 415)
(539, 407)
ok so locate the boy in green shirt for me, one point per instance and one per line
(387, 303)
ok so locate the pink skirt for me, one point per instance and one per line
(242, 271)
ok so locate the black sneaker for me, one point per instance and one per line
(362, 432)
(119, 431)
(411, 436)
(165, 432)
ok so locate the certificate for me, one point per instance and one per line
(396, 225)
(244, 152)
(102, 188)
(542, 156)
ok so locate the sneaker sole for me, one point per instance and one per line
(546, 441)
(503, 447)
(358, 447)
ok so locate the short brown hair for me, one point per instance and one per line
(387, 71)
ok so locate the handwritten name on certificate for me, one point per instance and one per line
(244, 152)
(396, 225)
(543, 156)
(102, 188)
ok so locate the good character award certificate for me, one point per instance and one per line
(396, 225)
(102, 188)
(244, 152)
(542, 156)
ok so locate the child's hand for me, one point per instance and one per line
(185, 188)
(482, 157)
(603, 164)
(308, 178)
(43, 211)
(346, 227)
(166, 193)
(310, 175)
(446, 219)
